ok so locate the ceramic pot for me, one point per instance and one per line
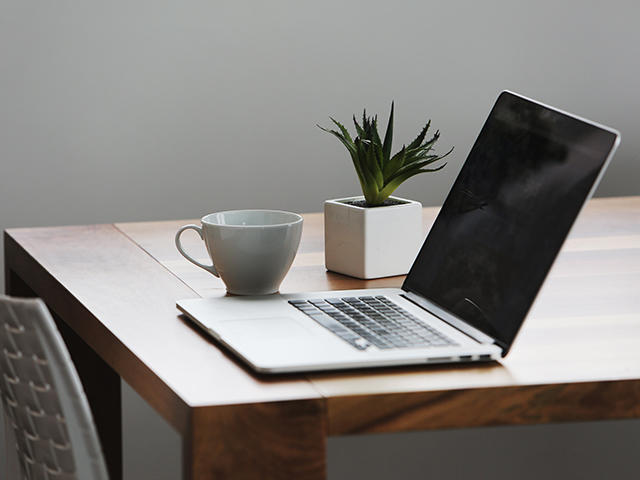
(371, 242)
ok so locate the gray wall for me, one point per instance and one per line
(142, 110)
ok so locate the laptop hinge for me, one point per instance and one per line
(455, 322)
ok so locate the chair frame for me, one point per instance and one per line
(43, 400)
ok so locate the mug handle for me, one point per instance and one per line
(209, 268)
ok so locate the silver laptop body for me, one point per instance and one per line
(528, 175)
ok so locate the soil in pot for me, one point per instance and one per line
(363, 204)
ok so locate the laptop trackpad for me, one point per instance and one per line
(267, 329)
(277, 343)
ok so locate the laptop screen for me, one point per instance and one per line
(508, 213)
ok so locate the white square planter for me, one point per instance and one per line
(371, 242)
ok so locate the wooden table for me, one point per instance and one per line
(113, 290)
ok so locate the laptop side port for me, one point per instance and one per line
(439, 359)
(466, 358)
(485, 358)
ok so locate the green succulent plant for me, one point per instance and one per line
(380, 173)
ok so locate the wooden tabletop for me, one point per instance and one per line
(576, 357)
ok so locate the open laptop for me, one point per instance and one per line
(525, 180)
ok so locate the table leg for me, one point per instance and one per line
(271, 441)
(100, 382)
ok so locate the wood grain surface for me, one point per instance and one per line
(576, 358)
(122, 303)
(584, 326)
(280, 440)
(479, 407)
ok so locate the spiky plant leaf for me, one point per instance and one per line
(424, 148)
(419, 163)
(377, 143)
(375, 165)
(395, 163)
(352, 152)
(418, 140)
(396, 182)
(388, 136)
(345, 132)
(380, 173)
(359, 130)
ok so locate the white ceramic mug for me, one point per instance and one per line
(250, 250)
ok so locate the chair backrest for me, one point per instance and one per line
(43, 399)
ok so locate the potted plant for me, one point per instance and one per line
(377, 235)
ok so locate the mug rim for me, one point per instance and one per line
(298, 218)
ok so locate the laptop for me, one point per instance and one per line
(527, 176)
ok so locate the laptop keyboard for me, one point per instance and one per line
(366, 321)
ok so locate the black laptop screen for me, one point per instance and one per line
(508, 213)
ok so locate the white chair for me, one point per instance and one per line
(42, 397)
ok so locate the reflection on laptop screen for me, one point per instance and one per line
(508, 213)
